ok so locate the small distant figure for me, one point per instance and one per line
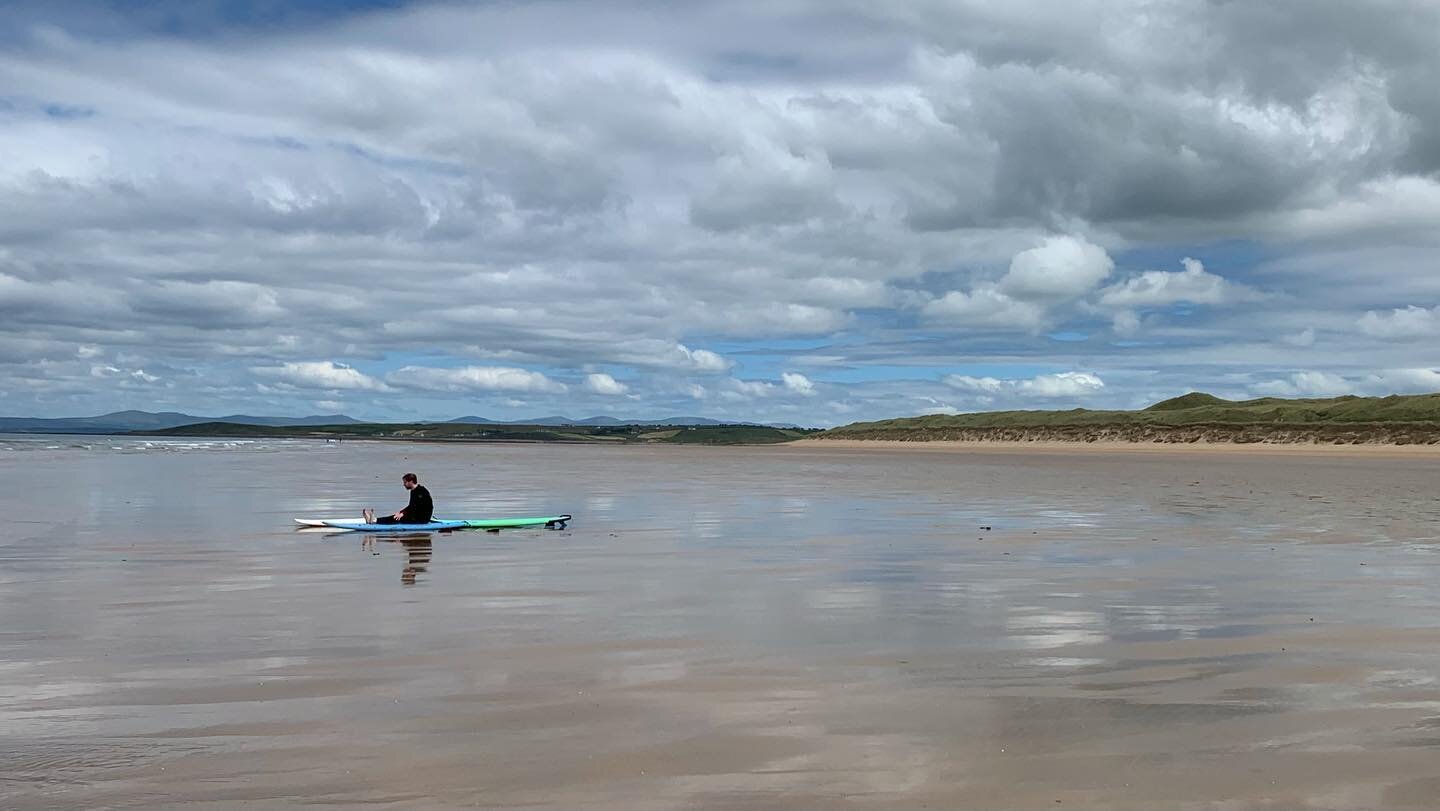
(418, 511)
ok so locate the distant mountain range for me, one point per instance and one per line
(123, 421)
(601, 420)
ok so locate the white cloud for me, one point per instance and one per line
(600, 383)
(113, 372)
(1064, 267)
(1125, 322)
(1303, 338)
(1039, 280)
(771, 318)
(742, 390)
(1158, 288)
(986, 385)
(985, 307)
(698, 360)
(1401, 323)
(736, 390)
(798, 383)
(1307, 384)
(1404, 381)
(1311, 383)
(929, 405)
(321, 375)
(1062, 384)
(473, 379)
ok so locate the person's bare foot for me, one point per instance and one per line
(369, 515)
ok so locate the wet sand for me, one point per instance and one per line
(780, 628)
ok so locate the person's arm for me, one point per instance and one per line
(408, 507)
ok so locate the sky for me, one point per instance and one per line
(800, 211)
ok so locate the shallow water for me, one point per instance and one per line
(719, 628)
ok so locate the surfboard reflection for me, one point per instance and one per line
(418, 551)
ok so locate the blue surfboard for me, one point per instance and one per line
(361, 526)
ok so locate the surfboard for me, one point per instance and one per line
(551, 521)
(325, 522)
(554, 521)
(361, 526)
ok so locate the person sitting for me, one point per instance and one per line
(418, 511)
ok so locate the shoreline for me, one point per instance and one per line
(973, 446)
(1118, 447)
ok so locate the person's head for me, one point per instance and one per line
(409, 480)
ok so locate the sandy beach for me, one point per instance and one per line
(797, 627)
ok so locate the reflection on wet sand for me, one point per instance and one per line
(732, 629)
(418, 550)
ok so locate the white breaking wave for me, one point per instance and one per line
(22, 443)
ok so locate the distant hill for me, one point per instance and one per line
(119, 422)
(597, 420)
(314, 419)
(1397, 419)
(1194, 399)
(496, 432)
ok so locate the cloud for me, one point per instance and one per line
(1312, 383)
(1158, 288)
(600, 383)
(1063, 267)
(1125, 322)
(985, 307)
(1059, 385)
(574, 186)
(1064, 384)
(1404, 381)
(766, 187)
(127, 375)
(1401, 323)
(746, 390)
(1303, 338)
(325, 374)
(772, 319)
(1308, 384)
(798, 383)
(473, 379)
(986, 385)
(697, 360)
(1039, 282)
(737, 390)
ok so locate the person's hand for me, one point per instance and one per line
(399, 515)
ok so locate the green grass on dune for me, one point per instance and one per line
(1191, 409)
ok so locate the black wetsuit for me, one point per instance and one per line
(418, 511)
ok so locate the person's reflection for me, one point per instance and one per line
(418, 551)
